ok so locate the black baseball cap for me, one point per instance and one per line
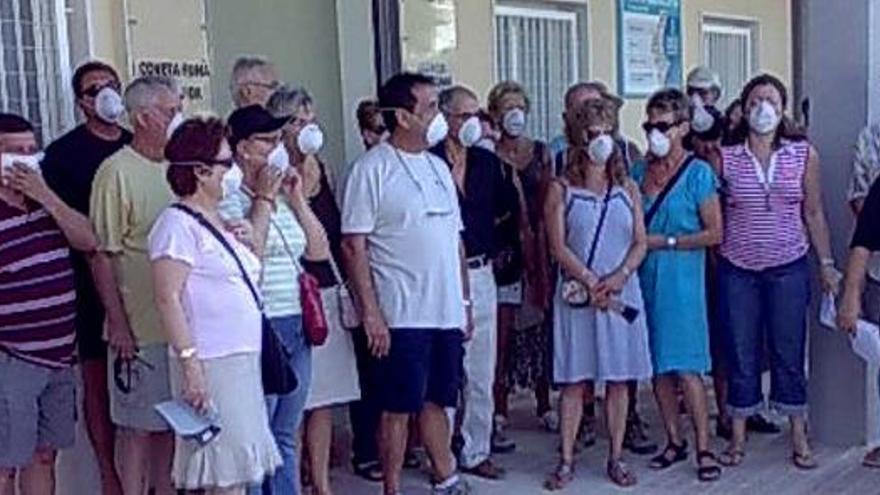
(253, 119)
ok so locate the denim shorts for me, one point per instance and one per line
(423, 365)
(37, 410)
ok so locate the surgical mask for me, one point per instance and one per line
(108, 105)
(310, 139)
(659, 143)
(232, 181)
(487, 144)
(514, 122)
(703, 120)
(763, 118)
(174, 124)
(437, 130)
(278, 158)
(600, 149)
(470, 132)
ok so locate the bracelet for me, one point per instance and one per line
(826, 262)
(263, 197)
(626, 271)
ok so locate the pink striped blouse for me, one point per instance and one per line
(763, 216)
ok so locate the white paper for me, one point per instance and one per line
(828, 311)
(866, 342)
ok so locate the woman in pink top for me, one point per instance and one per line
(772, 212)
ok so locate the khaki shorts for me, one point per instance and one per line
(37, 410)
(138, 385)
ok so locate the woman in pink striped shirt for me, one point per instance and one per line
(772, 212)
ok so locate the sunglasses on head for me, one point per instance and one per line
(94, 90)
(660, 126)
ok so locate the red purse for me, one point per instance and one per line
(314, 323)
(313, 319)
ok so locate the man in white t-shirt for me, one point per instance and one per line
(401, 230)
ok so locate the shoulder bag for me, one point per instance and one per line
(277, 373)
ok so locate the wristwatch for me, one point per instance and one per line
(188, 353)
(671, 242)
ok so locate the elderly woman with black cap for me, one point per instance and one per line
(210, 317)
(286, 234)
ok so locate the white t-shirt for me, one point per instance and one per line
(219, 307)
(407, 206)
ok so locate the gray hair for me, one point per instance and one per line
(142, 91)
(287, 101)
(242, 66)
(450, 95)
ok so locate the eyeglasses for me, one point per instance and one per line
(594, 133)
(94, 90)
(660, 126)
(265, 85)
(227, 163)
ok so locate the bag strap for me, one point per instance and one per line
(655, 207)
(599, 226)
(225, 243)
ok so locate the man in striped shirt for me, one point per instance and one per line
(37, 310)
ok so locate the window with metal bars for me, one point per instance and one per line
(538, 48)
(729, 48)
(34, 66)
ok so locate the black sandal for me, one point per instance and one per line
(710, 472)
(664, 460)
(370, 471)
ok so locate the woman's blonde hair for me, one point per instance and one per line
(590, 114)
(502, 89)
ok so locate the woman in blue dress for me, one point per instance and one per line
(681, 224)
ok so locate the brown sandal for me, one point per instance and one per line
(620, 474)
(804, 461)
(558, 479)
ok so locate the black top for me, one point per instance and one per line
(483, 201)
(325, 208)
(867, 234)
(69, 167)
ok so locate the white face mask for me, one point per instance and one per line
(600, 149)
(8, 161)
(702, 120)
(437, 130)
(232, 181)
(310, 139)
(108, 105)
(470, 132)
(487, 144)
(174, 124)
(763, 118)
(514, 122)
(278, 158)
(659, 143)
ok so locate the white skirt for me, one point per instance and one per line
(334, 369)
(244, 452)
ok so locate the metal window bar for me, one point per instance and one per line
(537, 48)
(727, 49)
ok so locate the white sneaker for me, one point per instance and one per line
(550, 421)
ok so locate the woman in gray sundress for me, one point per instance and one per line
(596, 232)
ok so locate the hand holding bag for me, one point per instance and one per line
(277, 374)
(574, 292)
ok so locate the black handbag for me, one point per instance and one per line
(277, 373)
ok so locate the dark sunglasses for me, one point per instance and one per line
(94, 90)
(228, 163)
(378, 129)
(591, 135)
(123, 373)
(660, 126)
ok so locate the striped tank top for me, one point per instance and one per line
(763, 216)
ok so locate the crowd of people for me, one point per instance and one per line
(201, 260)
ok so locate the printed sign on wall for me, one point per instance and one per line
(649, 45)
